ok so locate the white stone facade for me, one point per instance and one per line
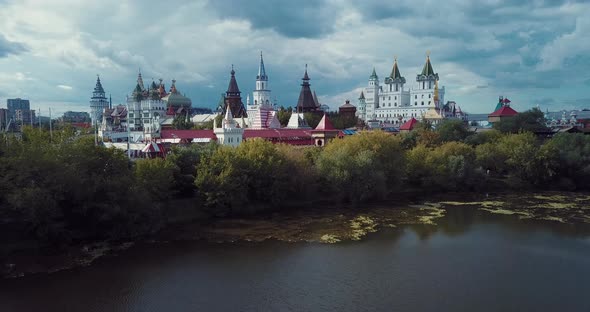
(393, 102)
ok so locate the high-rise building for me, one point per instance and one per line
(14, 104)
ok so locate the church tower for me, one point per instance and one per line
(98, 103)
(261, 95)
(233, 98)
(230, 133)
(372, 96)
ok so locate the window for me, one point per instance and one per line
(146, 115)
(131, 115)
(422, 103)
(395, 97)
(422, 95)
(395, 104)
(415, 103)
(390, 97)
(416, 96)
(131, 121)
(428, 102)
(429, 95)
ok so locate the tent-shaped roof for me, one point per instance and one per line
(409, 125)
(325, 124)
(504, 111)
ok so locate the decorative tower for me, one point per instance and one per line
(306, 103)
(233, 98)
(395, 80)
(427, 78)
(372, 96)
(362, 106)
(229, 133)
(261, 95)
(98, 103)
(422, 97)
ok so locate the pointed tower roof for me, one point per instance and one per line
(306, 102)
(374, 75)
(395, 74)
(232, 88)
(362, 96)
(261, 71)
(325, 124)
(228, 115)
(98, 88)
(427, 69)
(315, 99)
(140, 81)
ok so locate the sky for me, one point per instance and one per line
(533, 52)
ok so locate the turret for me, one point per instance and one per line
(261, 95)
(98, 102)
(427, 78)
(395, 80)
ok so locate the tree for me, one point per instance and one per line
(530, 121)
(181, 122)
(156, 177)
(452, 130)
(252, 176)
(361, 167)
(573, 163)
(284, 115)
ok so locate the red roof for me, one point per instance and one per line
(503, 111)
(277, 133)
(409, 125)
(325, 124)
(188, 134)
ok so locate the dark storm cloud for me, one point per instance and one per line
(293, 19)
(10, 47)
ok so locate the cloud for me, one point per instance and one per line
(526, 49)
(8, 47)
(65, 87)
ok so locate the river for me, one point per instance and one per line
(472, 260)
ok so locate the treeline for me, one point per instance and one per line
(65, 188)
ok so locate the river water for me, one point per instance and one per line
(471, 261)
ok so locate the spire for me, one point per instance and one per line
(98, 88)
(427, 70)
(140, 80)
(362, 96)
(306, 102)
(228, 115)
(374, 75)
(305, 76)
(395, 74)
(261, 71)
(232, 88)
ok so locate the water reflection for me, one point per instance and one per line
(472, 260)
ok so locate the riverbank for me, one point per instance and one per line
(315, 225)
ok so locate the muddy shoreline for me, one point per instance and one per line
(316, 225)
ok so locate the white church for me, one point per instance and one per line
(393, 102)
